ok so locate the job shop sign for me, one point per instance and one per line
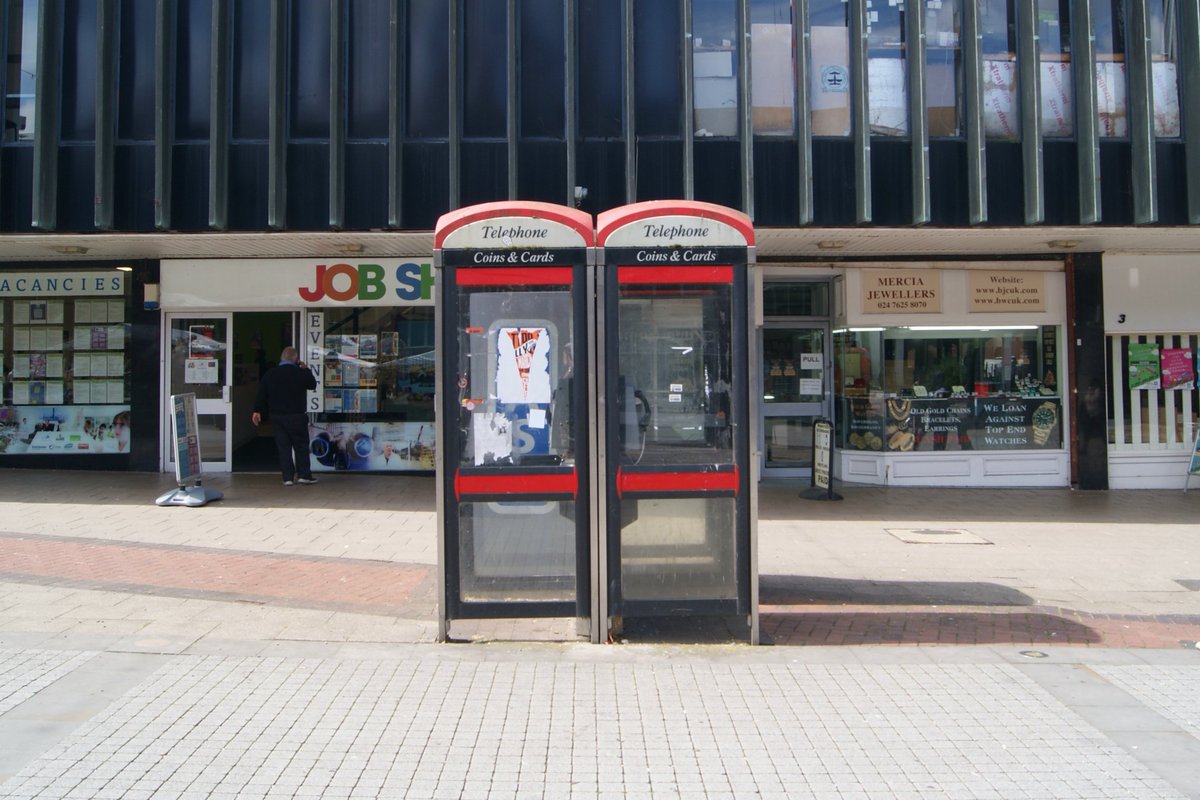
(292, 282)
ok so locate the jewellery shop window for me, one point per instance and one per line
(908, 389)
(65, 385)
(378, 385)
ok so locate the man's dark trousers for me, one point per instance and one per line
(291, 437)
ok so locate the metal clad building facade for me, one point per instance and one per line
(953, 136)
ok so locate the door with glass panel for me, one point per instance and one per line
(197, 356)
(676, 440)
(515, 442)
(795, 393)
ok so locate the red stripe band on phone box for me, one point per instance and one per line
(514, 276)
(677, 481)
(683, 275)
(554, 483)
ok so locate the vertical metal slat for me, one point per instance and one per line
(396, 91)
(218, 137)
(1141, 111)
(337, 113)
(45, 115)
(570, 99)
(628, 83)
(918, 120)
(688, 127)
(859, 110)
(1120, 344)
(745, 107)
(513, 118)
(1087, 133)
(1030, 82)
(107, 42)
(164, 107)
(972, 46)
(277, 118)
(454, 132)
(802, 37)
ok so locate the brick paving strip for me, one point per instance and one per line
(408, 591)
(369, 587)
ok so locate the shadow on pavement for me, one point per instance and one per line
(794, 590)
(923, 627)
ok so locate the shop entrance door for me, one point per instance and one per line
(795, 393)
(198, 361)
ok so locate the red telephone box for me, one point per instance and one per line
(675, 412)
(513, 306)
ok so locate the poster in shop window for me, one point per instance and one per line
(1144, 369)
(1177, 370)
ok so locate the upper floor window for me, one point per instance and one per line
(887, 68)
(1001, 104)
(22, 70)
(1108, 18)
(714, 63)
(1164, 56)
(943, 67)
(829, 72)
(772, 69)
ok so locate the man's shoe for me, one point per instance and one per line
(306, 480)
(287, 483)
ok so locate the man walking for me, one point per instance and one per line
(283, 400)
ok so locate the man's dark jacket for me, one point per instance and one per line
(282, 390)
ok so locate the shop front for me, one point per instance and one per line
(73, 393)
(365, 329)
(1153, 337)
(951, 374)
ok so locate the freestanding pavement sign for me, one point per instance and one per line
(675, 413)
(514, 503)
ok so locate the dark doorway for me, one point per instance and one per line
(258, 339)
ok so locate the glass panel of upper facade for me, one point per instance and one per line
(1164, 57)
(714, 64)
(772, 68)
(829, 72)
(1058, 95)
(1108, 20)
(886, 70)
(22, 70)
(943, 67)
(1001, 109)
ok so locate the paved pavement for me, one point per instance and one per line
(278, 643)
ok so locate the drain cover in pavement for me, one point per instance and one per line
(936, 536)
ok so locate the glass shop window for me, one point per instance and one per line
(903, 389)
(714, 64)
(378, 390)
(829, 72)
(21, 77)
(772, 67)
(64, 366)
